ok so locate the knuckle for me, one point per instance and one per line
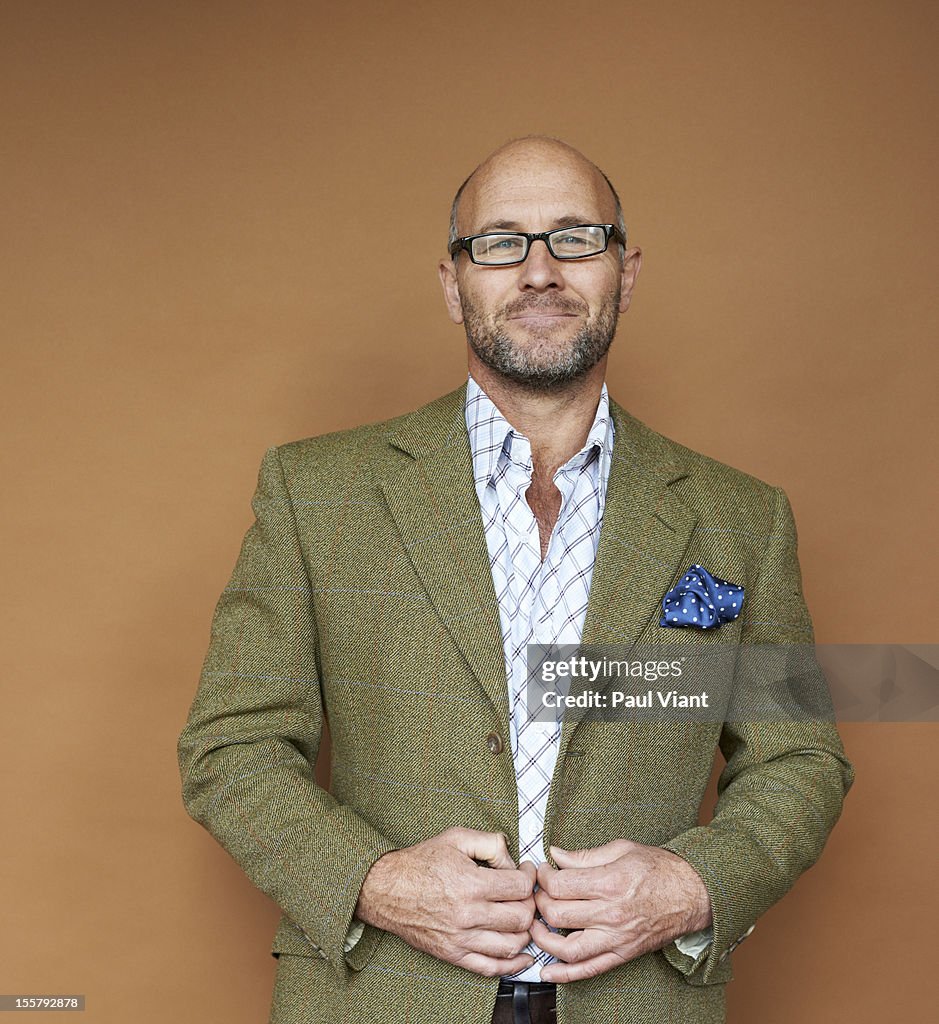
(616, 914)
(475, 886)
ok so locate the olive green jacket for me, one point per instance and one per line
(363, 596)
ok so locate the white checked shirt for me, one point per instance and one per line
(540, 602)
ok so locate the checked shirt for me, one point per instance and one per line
(540, 602)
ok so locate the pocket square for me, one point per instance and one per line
(701, 600)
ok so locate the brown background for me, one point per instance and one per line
(200, 209)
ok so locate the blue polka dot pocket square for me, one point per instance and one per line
(701, 600)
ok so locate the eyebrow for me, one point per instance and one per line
(513, 225)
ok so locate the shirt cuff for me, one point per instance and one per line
(354, 934)
(695, 942)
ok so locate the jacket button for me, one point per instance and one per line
(494, 743)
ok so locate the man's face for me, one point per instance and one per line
(545, 322)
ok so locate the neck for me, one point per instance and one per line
(556, 423)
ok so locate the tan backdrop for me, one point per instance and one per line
(220, 224)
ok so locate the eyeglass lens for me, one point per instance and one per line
(564, 243)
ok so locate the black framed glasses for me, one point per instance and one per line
(503, 248)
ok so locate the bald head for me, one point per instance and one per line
(543, 322)
(527, 167)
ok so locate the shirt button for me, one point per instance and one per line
(494, 743)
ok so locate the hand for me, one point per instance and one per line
(439, 900)
(623, 898)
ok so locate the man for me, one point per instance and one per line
(470, 864)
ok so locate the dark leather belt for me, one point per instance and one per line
(525, 1002)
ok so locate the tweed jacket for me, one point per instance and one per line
(363, 597)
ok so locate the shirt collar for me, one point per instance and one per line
(491, 435)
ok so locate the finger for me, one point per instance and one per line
(531, 870)
(504, 917)
(571, 913)
(574, 883)
(505, 884)
(581, 945)
(585, 969)
(490, 847)
(492, 967)
(544, 874)
(592, 857)
(498, 945)
(531, 873)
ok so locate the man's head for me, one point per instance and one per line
(546, 322)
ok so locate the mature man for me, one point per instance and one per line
(470, 863)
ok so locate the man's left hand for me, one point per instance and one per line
(624, 899)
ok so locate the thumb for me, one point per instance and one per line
(591, 858)
(489, 847)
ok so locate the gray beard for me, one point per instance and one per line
(549, 372)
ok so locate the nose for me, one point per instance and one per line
(540, 269)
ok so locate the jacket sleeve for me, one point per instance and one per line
(248, 749)
(783, 785)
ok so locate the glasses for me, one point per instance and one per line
(503, 248)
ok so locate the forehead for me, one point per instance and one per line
(535, 193)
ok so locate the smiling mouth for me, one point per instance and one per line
(543, 315)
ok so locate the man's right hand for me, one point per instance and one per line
(435, 897)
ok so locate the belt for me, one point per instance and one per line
(525, 1002)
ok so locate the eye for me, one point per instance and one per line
(581, 240)
(504, 243)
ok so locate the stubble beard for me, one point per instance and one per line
(541, 367)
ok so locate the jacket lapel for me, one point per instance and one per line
(434, 504)
(645, 533)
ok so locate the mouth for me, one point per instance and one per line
(542, 316)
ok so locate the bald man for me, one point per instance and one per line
(471, 863)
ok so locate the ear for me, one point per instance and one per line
(632, 261)
(451, 290)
